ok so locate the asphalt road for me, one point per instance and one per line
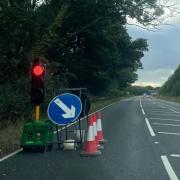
(143, 144)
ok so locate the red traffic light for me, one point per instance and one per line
(38, 70)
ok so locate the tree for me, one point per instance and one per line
(172, 86)
(84, 43)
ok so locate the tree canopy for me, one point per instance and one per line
(172, 86)
(84, 44)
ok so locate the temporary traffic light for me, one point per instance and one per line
(38, 70)
(37, 82)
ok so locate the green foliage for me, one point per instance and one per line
(84, 43)
(172, 85)
(140, 90)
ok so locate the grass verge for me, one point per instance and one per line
(10, 133)
(168, 98)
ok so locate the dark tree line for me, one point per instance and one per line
(172, 86)
(84, 43)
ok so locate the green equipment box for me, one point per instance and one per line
(38, 135)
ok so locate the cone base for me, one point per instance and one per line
(103, 141)
(96, 153)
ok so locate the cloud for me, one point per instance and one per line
(163, 56)
(153, 78)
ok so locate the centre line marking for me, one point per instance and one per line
(169, 133)
(147, 121)
(143, 111)
(149, 127)
(169, 168)
(169, 107)
(166, 124)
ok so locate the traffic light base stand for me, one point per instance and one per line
(38, 136)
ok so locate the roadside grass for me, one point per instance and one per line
(170, 98)
(11, 132)
(10, 136)
(100, 102)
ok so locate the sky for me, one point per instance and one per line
(163, 56)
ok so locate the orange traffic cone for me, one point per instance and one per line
(95, 132)
(90, 148)
(99, 129)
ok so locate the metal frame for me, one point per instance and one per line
(60, 141)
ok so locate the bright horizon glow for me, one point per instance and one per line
(144, 84)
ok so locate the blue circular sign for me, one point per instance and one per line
(64, 109)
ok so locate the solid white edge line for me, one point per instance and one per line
(169, 168)
(10, 155)
(85, 117)
(175, 155)
(21, 149)
(149, 127)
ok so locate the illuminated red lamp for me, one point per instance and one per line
(38, 70)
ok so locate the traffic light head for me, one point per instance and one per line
(38, 70)
(37, 83)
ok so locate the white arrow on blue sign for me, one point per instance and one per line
(64, 109)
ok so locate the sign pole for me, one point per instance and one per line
(37, 112)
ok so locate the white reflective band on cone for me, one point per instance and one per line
(95, 129)
(90, 136)
(99, 126)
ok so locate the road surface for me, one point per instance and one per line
(143, 144)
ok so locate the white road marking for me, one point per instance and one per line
(160, 112)
(165, 114)
(156, 142)
(174, 111)
(169, 168)
(169, 133)
(149, 127)
(10, 155)
(175, 155)
(166, 124)
(160, 119)
(141, 103)
(157, 110)
(169, 107)
(147, 121)
(143, 112)
(142, 107)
